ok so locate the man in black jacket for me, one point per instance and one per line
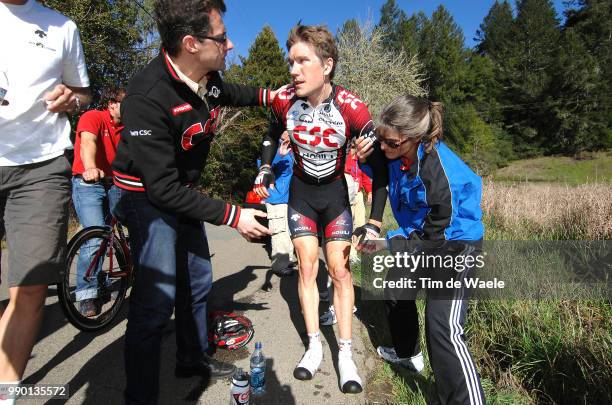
(170, 116)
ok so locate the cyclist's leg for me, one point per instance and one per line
(337, 252)
(153, 236)
(89, 201)
(338, 228)
(194, 282)
(303, 230)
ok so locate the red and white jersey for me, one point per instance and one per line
(320, 135)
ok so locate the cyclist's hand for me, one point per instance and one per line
(93, 175)
(365, 236)
(61, 99)
(248, 226)
(274, 93)
(264, 179)
(365, 147)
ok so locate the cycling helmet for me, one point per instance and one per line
(229, 330)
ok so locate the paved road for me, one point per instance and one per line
(92, 364)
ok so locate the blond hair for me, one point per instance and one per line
(320, 38)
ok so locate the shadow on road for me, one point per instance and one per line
(224, 290)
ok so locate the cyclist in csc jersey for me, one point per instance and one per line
(321, 119)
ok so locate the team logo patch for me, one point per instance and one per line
(183, 108)
(295, 217)
(192, 135)
(305, 118)
(214, 91)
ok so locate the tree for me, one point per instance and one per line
(444, 56)
(391, 18)
(266, 64)
(116, 36)
(527, 74)
(375, 73)
(496, 31)
(580, 87)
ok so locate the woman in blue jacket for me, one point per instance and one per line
(435, 197)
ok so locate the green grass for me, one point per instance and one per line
(526, 351)
(596, 168)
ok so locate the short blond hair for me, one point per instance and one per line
(320, 38)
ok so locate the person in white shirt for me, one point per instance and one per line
(42, 58)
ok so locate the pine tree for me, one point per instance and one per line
(443, 53)
(496, 31)
(391, 19)
(266, 64)
(580, 87)
(527, 73)
(409, 33)
(489, 64)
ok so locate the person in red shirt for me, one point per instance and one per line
(93, 192)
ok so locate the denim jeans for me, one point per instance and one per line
(93, 203)
(173, 271)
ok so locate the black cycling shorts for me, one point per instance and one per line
(319, 207)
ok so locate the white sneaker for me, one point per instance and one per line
(329, 317)
(308, 366)
(350, 382)
(414, 363)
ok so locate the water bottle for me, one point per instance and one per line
(3, 85)
(239, 393)
(258, 371)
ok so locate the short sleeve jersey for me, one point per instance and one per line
(101, 124)
(320, 135)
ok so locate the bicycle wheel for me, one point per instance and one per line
(94, 242)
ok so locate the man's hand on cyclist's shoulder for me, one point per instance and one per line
(274, 93)
(248, 226)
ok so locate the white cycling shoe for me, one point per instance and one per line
(350, 382)
(414, 363)
(308, 366)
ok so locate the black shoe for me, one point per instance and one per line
(287, 271)
(207, 367)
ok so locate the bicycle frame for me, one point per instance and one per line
(116, 233)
